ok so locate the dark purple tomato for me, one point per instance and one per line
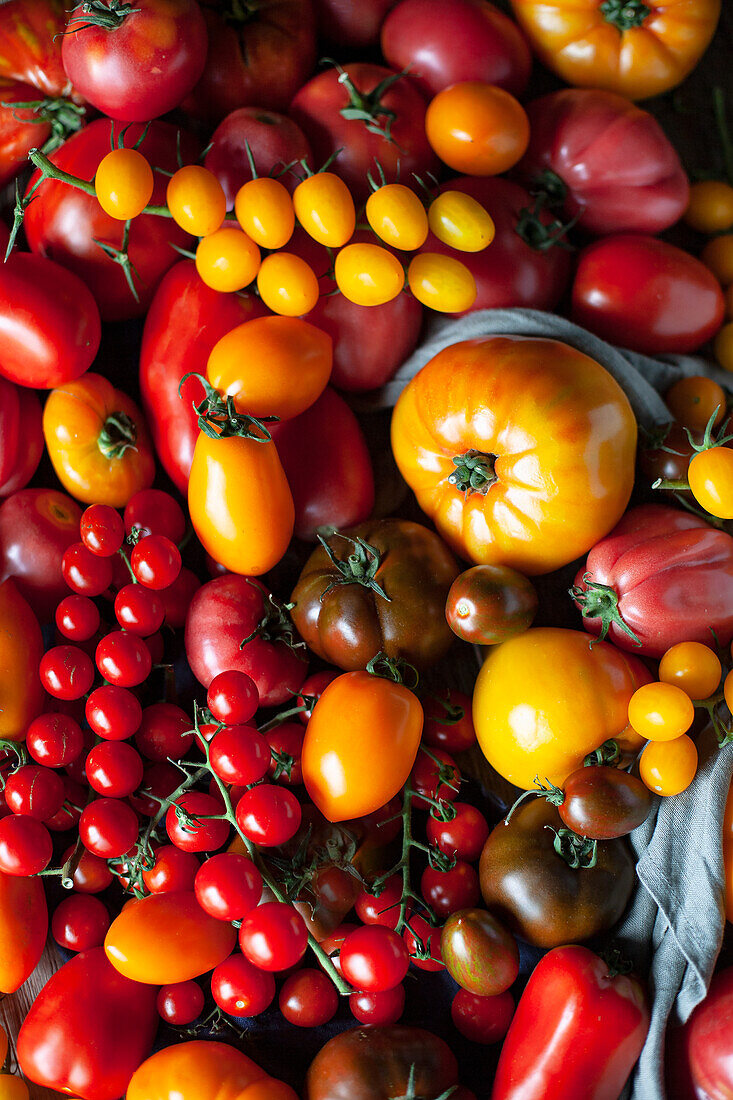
(489, 604)
(603, 803)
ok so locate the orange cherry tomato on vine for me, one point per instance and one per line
(397, 216)
(458, 220)
(477, 129)
(287, 285)
(718, 256)
(368, 274)
(196, 200)
(360, 744)
(693, 401)
(441, 282)
(723, 342)
(227, 260)
(710, 475)
(97, 441)
(123, 183)
(710, 209)
(692, 666)
(668, 768)
(265, 212)
(660, 711)
(325, 208)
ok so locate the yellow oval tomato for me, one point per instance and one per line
(520, 450)
(368, 274)
(477, 129)
(441, 282)
(227, 260)
(325, 208)
(264, 209)
(165, 938)
(272, 366)
(633, 48)
(240, 503)
(287, 284)
(692, 666)
(545, 699)
(660, 711)
(196, 200)
(123, 183)
(97, 441)
(710, 475)
(668, 767)
(397, 216)
(196, 1070)
(13, 1088)
(460, 221)
(21, 648)
(360, 744)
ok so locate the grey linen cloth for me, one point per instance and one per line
(674, 928)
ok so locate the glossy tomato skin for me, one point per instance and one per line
(576, 1032)
(224, 612)
(194, 1070)
(509, 397)
(62, 223)
(262, 61)
(369, 1063)
(604, 803)
(21, 436)
(537, 895)
(30, 45)
(327, 465)
(317, 110)
(352, 25)
(479, 953)
(21, 129)
(275, 141)
(88, 1029)
(23, 927)
(673, 576)
(348, 625)
(489, 604)
(646, 295)
(447, 41)
(360, 744)
(621, 172)
(36, 527)
(563, 719)
(185, 320)
(21, 649)
(55, 330)
(706, 1039)
(166, 938)
(587, 48)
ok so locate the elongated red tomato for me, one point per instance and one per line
(21, 649)
(23, 928)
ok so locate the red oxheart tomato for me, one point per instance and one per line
(443, 42)
(348, 24)
(576, 1033)
(30, 45)
(327, 464)
(23, 928)
(138, 64)
(319, 108)
(646, 295)
(512, 271)
(36, 528)
(50, 330)
(185, 320)
(88, 1029)
(21, 436)
(274, 142)
(260, 57)
(620, 171)
(63, 223)
(666, 577)
(222, 614)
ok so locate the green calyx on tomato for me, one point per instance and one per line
(625, 14)
(108, 14)
(367, 107)
(219, 419)
(275, 625)
(119, 434)
(396, 669)
(579, 852)
(474, 472)
(360, 567)
(608, 753)
(709, 442)
(600, 601)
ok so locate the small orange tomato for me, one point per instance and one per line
(123, 183)
(360, 744)
(728, 692)
(166, 938)
(692, 666)
(15, 1088)
(710, 475)
(718, 256)
(669, 767)
(227, 260)
(368, 274)
(265, 212)
(693, 401)
(272, 366)
(325, 208)
(710, 209)
(397, 216)
(660, 711)
(287, 284)
(196, 200)
(240, 503)
(194, 1070)
(477, 129)
(441, 282)
(97, 441)
(723, 344)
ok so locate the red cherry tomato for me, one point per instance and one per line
(448, 891)
(268, 815)
(36, 791)
(108, 827)
(173, 870)
(25, 845)
(233, 698)
(308, 998)
(240, 988)
(77, 618)
(114, 769)
(80, 922)
(273, 936)
(382, 1008)
(113, 712)
(482, 1019)
(180, 1003)
(240, 755)
(191, 832)
(374, 958)
(123, 659)
(102, 529)
(462, 836)
(164, 732)
(54, 740)
(228, 886)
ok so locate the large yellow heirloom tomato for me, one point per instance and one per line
(545, 699)
(520, 450)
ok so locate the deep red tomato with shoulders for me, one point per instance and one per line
(63, 223)
(399, 143)
(620, 171)
(274, 140)
(139, 63)
(30, 45)
(259, 57)
(185, 320)
(647, 295)
(21, 436)
(443, 42)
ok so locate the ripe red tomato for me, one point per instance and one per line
(354, 25)
(444, 42)
(308, 998)
(36, 528)
(21, 128)
(273, 936)
(21, 436)
(647, 295)
(80, 922)
(64, 223)
(374, 958)
(195, 833)
(30, 45)
(448, 892)
(140, 63)
(274, 140)
(173, 870)
(23, 929)
(228, 886)
(240, 988)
